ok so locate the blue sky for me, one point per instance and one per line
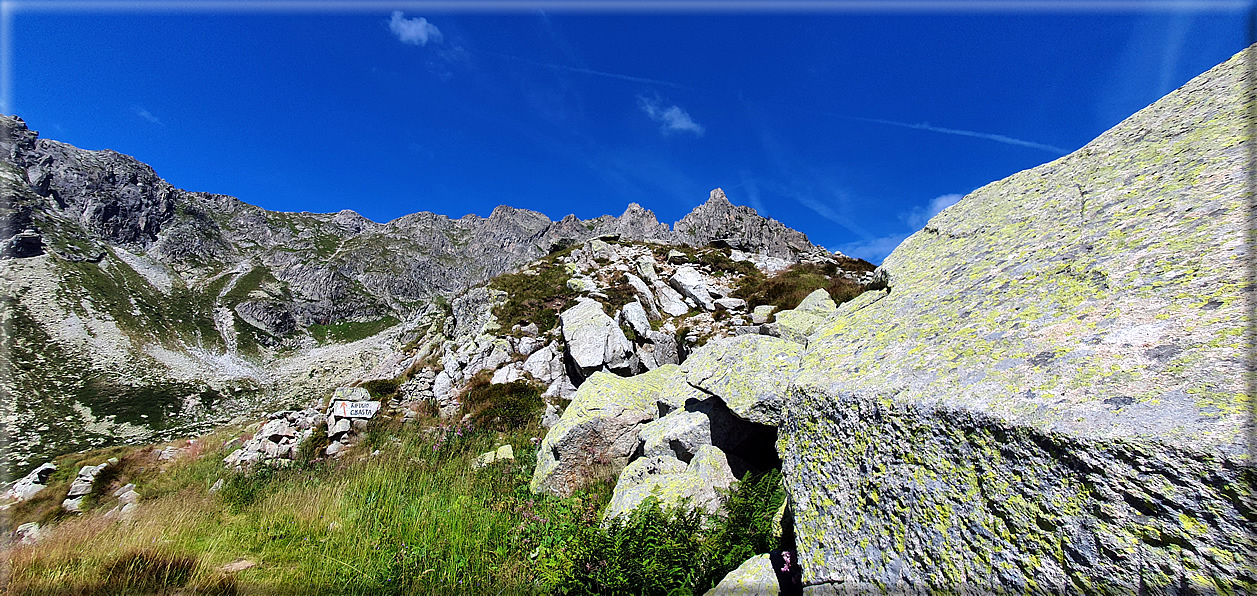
(851, 127)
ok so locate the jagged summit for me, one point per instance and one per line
(740, 227)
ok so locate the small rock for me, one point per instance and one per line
(31, 484)
(28, 533)
(677, 257)
(635, 316)
(730, 304)
(755, 577)
(762, 314)
(74, 505)
(334, 448)
(218, 485)
(241, 564)
(581, 284)
(342, 427)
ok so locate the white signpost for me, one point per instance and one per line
(354, 409)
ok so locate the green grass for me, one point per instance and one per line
(414, 519)
(788, 288)
(347, 331)
(535, 298)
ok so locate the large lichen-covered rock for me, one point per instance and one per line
(1051, 398)
(755, 577)
(598, 431)
(700, 483)
(799, 322)
(750, 373)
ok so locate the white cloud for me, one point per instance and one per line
(672, 117)
(147, 115)
(417, 31)
(917, 217)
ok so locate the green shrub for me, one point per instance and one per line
(651, 551)
(503, 406)
(718, 260)
(747, 528)
(788, 288)
(247, 487)
(619, 294)
(313, 447)
(661, 550)
(382, 389)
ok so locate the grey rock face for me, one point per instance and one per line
(598, 431)
(691, 283)
(750, 373)
(755, 577)
(594, 341)
(30, 485)
(635, 316)
(1046, 399)
(741, 228)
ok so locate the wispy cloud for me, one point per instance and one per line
(672, 117)
(416, 31)
(967, 133)
(917, 217)
(875, 250)
(147, 115)
(589, 71)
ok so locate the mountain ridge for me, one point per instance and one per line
(114, 272)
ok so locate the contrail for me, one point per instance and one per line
(588, 71)
(968, 133)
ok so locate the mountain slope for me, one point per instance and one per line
(133, 306)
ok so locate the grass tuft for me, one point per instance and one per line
(788, 288)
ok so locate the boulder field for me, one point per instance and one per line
(1051, 392)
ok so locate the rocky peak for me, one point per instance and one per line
(741, 228)
(640, 223)
(352, 220)
(718, 197)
